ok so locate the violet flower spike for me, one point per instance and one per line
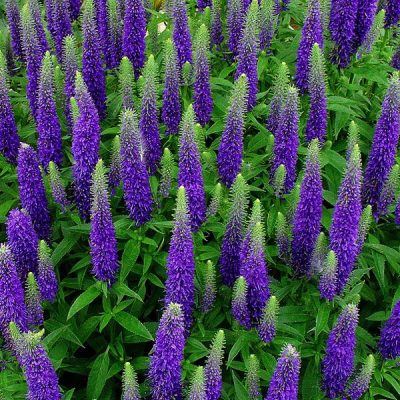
(268, 23)
(240, 309)
(362, 380)
(217, 36)
(365, 17)
(328, 280)
(61, 25)
(213, 367)
(389, 344)
(115, 29)
(209, 289)
(33, 302)
(36, 14)
(267, 326)
(57, 188)
(14, 24)
(392, 13)
(235, 22)
(46, 277)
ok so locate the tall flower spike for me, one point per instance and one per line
(14, 24)
(352, 138)
(202, 100)
(311, 33)
(57, 188)
(281, 85)
(133, 37)
(165, 362)
(75, 9)
(23, 243)
(101, 8)
(307, 219)
(267, 327)
(383, 151)
(318, 117)
(114, 177)
(285, 380)
(396, 59)
(389, 345)
(103, 243)
(61, 25)
(215, 203)
(392, 13)
(230, 151)
(319, 254)
(328, 280)
(198, 387)
(115, 29)
(397, 212)
(230, 258)
(134, 176)
(9, 140)
(12, 304)
(235, 21)
(32, 192)
(40, 374)
(167, 168)
(46, 277)
(190, 171)
(217, 36)
(92, 64)
(365, 223)
(85, 146)
(33, 302)
(181, 34)
(346, 217)
(171, 108)
(148, 123)
(47, 124)
(36, 13)
(70, 67)
(209, 288)
(373, 34)
(268, 23)
(247, 57)
(254, 270)
(130, 387)
(282, 234)
(33, 56)
(240, 309)
(338, 363)
(126, 83)
(388, 192)
(252, 378)
(287, 139)
(361, 382)
(212, 370)
(179, 287)
(365, 18)
(342, 24)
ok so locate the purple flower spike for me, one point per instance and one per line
(230, 151)
(396, 59)
(61, 25)
(134, 176)
(383, 151)
(181, 34)
(338, 363)
(285, 380)
(92, 64)
(346, 218)
(202, 100)
(268, 23)
(247, 57)
(365, 18)
(180, 261)
(14, 24)
(47, 124)
(287, 140)
(148, 123)
(328, 281)
(115, 30)
(217, 36)
(102, 26)
(103, 243)
(240, 309)
(165, 363)
(190, 172)
(133, 39)
(389, 343)
(307, 218)
(85, 146)
(57, 188)
(397, 212)
(12, 306)
(267, 327)
(9, 139)
(33, 302)
(388, 192)
(23, 243)
(392, 17)
(318, 117)
(46, 277)
(35, 11)
(235, 21)
(212, 370)
(311, 33)
(130, 387)
(361, 382)
(342, 22)
(32, 192)
(40, 374)
(75, 8)
(171, 109)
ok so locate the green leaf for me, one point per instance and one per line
(132, 324)
(129, 257)
(98, 376)
(322, 319)
(84, 299)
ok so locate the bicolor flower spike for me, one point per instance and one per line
(365, 223)
(240, 309)
(57, 188)
(362, 380)
(338, 363)
(216, 200)
(353, 138)
(230, 151)
(167, 173)
(217, 36)
(267, 326)
(285, 380)
(389, 344)
(268, 23)
(213, 367)
(328, 280)
(166, 361)
(319, 254)
(198, 387)
(232, 241)
(126, 83)
(33, 302)
(373, 33)
(209, 289)
(282, 234)
(190, 170)
(388, 192)
(130, 387)
(61, 25)
(46, 277)
(252, 377)
(103, 242)
(365, 18)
